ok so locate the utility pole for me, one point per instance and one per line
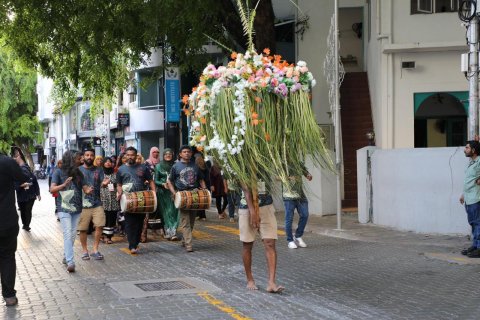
(338, 146)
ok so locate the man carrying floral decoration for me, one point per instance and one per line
(249, 225)
(185, 175)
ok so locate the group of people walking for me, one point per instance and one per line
(88, 190)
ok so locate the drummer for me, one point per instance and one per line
(185, 175)
(133, 177)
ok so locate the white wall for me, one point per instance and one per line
(430, 28)
(417, 189)
(434, 72)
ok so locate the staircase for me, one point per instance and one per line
(356, 120)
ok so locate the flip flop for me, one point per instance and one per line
(279, 290)
(109, 241)
(85, 256)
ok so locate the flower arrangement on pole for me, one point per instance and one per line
(254, 116)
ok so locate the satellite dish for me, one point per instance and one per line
(465, 10)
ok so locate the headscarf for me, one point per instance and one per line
(107, 170)
(151, 160)
(167, 165)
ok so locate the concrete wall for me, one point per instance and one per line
(433, 41)
(415, 189)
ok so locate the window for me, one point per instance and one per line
(433, 6)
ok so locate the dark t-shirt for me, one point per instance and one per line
(132, 178)
(92, 177)
(71, 196)
(9, 172)
(185, 176)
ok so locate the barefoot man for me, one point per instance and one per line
(249, 225)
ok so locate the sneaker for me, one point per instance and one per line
(474, 254)
(292, 245)
(133, 251)
(468, 250)
(71, 268)
(12, 301)
(232, 219)
(300, 242)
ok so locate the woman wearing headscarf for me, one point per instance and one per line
(153, 159)
(98, 161)
(165, 203)
(110, 204)
(152, 221)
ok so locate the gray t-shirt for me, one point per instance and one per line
(185, 176)
(92, 177)
(132, 178)
(71, 196)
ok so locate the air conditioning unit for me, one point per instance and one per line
(408, 65)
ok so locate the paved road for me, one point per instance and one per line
(331, 279)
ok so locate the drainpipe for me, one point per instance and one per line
(473, 79)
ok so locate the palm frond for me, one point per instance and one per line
(218, 43)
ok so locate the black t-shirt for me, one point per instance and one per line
(9, 173)
(132, 178)
(92, 177)
(185, 176)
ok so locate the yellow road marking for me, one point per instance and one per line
(235, 230)
(127, 251)
(201, 235)
(220, 305)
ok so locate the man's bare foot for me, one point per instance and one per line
(275, 289)
(251, 285)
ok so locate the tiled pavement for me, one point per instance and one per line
(334, 278)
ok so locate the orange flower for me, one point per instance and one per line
(254, 115)
(255, 122)
(203, 120)
(233, 55)
(266, 51)
(199, 148)
(258, 99)
(267, 137)
(185, 99)
(186, 111)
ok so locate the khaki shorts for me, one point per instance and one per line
(97, 215)
(268, 224)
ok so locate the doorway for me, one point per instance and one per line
(440, 119)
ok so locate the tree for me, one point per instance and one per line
(94, 43)
(18, 122)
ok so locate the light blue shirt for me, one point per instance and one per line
(471, 190)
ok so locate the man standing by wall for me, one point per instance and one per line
(9, 173)
(92, 204)
(133, 177)
(471, 197)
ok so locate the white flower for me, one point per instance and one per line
(314, 82)
(301, 63)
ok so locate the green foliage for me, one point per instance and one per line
(92, 44)
(18, 103)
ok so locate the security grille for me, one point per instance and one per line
(164, 286)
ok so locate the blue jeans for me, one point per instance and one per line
(69, 222)
(302, 208)
(232, 198)
(473, 215)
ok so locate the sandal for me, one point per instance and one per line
(109, 241)
(97, 255)
(85, 256)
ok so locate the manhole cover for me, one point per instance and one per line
(162, 286)
(159, 287)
